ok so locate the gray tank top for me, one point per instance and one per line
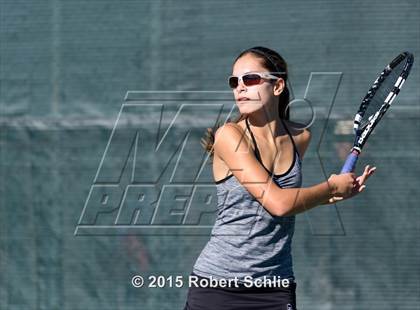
(246, 239)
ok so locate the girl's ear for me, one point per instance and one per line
(278, 87)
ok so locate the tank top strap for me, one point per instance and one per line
(290, 135)
(256, 150)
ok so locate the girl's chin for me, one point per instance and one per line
(244, 108)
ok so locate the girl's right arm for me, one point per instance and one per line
(236, 152)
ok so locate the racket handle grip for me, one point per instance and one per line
(350, 163)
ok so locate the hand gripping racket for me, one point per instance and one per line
(376, 102)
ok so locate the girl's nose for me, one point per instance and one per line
(241, 86)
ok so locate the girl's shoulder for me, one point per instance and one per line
(301, 135)
(238, 127)
(298, 129)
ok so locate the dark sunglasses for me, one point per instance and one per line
(250, 79)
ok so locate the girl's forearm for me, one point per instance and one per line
(297, 200)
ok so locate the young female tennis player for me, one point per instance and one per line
(247, 262)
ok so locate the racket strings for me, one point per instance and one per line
(381, 93)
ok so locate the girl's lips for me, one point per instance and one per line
(242, 99)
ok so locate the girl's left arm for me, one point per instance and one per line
(360, 186)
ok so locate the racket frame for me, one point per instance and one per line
(361, 134)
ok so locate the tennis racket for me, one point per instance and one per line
(376, 102)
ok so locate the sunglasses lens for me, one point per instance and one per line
(233, 81)
(251, 79)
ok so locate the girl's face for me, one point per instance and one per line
(253, 98)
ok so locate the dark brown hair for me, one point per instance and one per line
(274, 63)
